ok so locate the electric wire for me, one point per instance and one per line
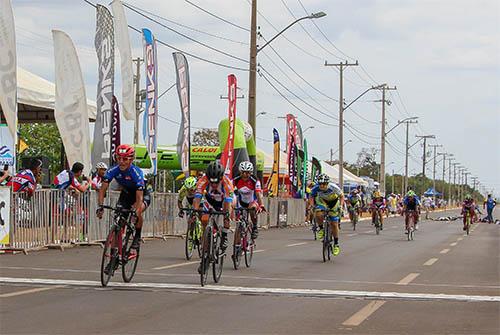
(217, 16)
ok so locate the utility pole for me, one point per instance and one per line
(252, 76)
(425, 137)
(444, 154)
(138, 99)
(331, 156)
(455, 181)
(392, 181)
(341, 67)
(434, 169)
(449, 179)
(382, 137)
(408, 122)
(474, 179)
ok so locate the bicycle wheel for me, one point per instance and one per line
(377, 224)
(189, 243)
(315, 229)
(354, 220)
(109, 258)
(248, 248)
(326, 242)
(218, 258)
(206, 249)
(130, 257)
(237, 246)
(467, 224)
(198, 230)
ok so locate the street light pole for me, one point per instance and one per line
(425, 137)
(434, 168)
(252, 77)
(407, 152)
(382, 139)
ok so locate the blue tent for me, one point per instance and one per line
(431, 192)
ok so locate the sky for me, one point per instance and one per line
(442, 55)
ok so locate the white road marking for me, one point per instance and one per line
(460, 239)
(453, 244)
(444, 251)
(408, 279)
(351, 235)
(260, 250)
(296, 244)
(370, 231)
(431, 261)
(357, 318)
(33, 290)
(175, 265)
(303, 292)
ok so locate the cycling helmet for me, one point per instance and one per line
(376, 194)
(101, 165)
(355, 191)
(246, 166)
(323, 179)
(410, 194)
(215, 171)
(125, 150)
(468, 197)
(190, 183)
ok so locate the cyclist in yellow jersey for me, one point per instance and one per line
(187, 191)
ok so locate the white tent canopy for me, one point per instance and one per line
(36, 98)
(269, 160)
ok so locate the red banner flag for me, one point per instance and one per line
(227, 158)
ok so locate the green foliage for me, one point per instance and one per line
(43, 140)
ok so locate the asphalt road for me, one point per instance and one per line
(441, 283)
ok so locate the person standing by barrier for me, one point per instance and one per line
(96, 182)
(489, 204)
(68, 179)
(25, 181)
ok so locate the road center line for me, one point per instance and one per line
(301, 292)
(444, 251)
(260, 250)
(460, 239)
(351, 235)
(357, 318)
(453, 244)
(175, 265)
(32, 290)
(370, 231)
(431, 261)
(408, 279)
(296, 244)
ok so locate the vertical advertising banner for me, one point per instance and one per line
(299, 139)
(151, 113)
(183, 90)
(292, 158)
(71, 111)
(227, 158)
(105, 48)
(115, 129)
(123, 46)
(304, 169)
(7, 148)
(4, 216)
(8, 68)
(291, 133)
(315, 168)
(273, 181)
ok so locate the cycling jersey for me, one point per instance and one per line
(468, 204)
(184, 194)
(65, 179)
(131, 179)
(411, 204)
(326, 198)
(97, 182)
(378, 202)
(247, 189)
(23, 181)
(354, 199)
(215, 196)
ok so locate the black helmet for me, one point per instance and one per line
(215, 171)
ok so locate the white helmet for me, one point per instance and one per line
(101, 165)
(323, 178)
(246, 166)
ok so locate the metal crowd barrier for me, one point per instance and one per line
(59, 217)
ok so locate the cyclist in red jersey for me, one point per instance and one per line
(378, 204)
(249, 193)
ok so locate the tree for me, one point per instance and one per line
(43, 140)
(366, 164)
(206, 137)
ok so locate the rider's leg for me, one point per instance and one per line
(227, 206)
(138, 225)
(407, 221)
(254, 218)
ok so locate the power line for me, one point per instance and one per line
(185, 36)
(359, 138)
(217, 17)
(186, 26)
(183, 51)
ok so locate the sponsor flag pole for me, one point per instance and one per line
(183, 90)
(227, 158)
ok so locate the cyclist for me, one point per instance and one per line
(327, 197)
(68, 179)
(218, 192)
(249, 193)
(468, 206)
(411, 203)
(378, 205)
(353, 203)
(187, 191)
(134, 193)
(96, 182)
(25, 181)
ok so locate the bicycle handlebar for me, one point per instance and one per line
(202, 211)
(118, 209)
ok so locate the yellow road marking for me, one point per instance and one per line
(357, 318)
(408, 279)
(33, 290)
(431, 261)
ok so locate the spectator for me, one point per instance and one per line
(68, 179)
(489, 204)
(101, 168)
(25, 181)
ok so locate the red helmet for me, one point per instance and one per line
(125, 150)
